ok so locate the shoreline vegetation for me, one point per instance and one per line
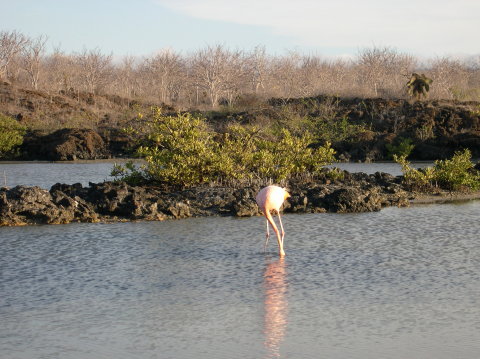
(328, 190)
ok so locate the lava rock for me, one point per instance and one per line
(31, 205)
(353, 199)
(64, 145)
(119, 201)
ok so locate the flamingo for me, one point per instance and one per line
(270, 199)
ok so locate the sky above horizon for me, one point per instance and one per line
(333, 28)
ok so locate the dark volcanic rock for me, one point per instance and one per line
(244, 204)
(353, 199)
(111, 199)
(78, 209)
(436, 128)
(64, 145)
(180, 210)
(118, 201)
(117, 142)
(33, 205)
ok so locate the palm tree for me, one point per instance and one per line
(418, 85)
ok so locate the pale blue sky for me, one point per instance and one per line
(331, 28)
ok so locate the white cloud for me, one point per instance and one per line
(419, 26)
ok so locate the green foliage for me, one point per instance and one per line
(128, 172)
(416, 179)
(320, 117)
(335, 174)
(335, 129)
(403, 148)
(289, 155)
(182, 150)
(425, 132)
(455, 174)
(11, 134)
(418, 85)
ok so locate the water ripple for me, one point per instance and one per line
(398, 283)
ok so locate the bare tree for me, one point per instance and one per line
(284, 75)
(473, 86)
(94, 68)
(60, 71)
(126, 76)
(234, 78)
(11, 44)
(312, 74)
(337, 78)
(163, 73)
(218, 71)
(32, 55)
(216, 74)
(257, 68)
(449, 76)
(383, 70)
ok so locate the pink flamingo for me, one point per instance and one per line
(270, 199)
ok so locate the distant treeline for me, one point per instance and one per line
(216, 75)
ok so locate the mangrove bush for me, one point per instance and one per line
(455, 174)
(183, 150)
(11, 134)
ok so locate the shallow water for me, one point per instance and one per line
(388, 167)
(400, 283)
(46, 174)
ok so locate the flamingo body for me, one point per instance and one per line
(271, 199)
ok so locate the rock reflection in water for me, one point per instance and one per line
(276, 306)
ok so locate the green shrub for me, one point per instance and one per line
(403, 148)
(416, 179)
(455, 174)
(335, 174)
(337, 129)
(290, 155)
(129, 172)
(11, 134)
(182, 150)
(321, 119)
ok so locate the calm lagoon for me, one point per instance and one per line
(400, 283)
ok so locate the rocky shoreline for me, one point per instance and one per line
(118, 201)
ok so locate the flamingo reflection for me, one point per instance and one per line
(275, 285)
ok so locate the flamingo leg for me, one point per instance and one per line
(281, 226)
(267, 236)
(277, 232)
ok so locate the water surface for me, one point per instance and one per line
(400, 283)
(46, 174)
